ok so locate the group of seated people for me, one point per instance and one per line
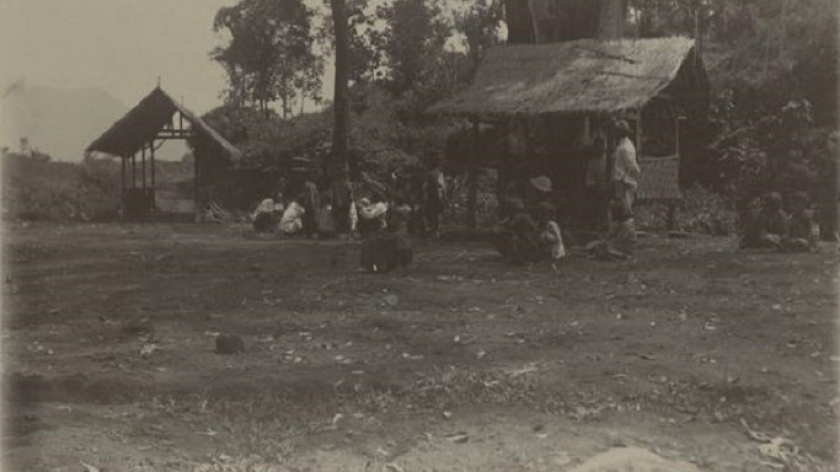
(367, 215)
(529, 231)
(770, 227)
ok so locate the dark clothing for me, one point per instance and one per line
(265, 223)
(312, 204)
(800, 225)
(596, 208)
(801, 236)
(767, 230)
(386, 251)
(517, 239)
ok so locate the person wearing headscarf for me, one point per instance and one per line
(292, 220)
(263, 217)
(372, 215)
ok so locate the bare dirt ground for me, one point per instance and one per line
(460, 363)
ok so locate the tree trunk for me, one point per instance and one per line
(611, 23)
(339, 170)
(472, 180)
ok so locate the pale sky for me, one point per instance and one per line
(121, 46)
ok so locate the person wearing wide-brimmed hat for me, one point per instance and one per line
(541, 186)
(517, 237)
(625, 166)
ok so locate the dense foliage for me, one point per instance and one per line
(270, 54)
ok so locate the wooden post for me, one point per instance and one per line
(472, 181)
(677, 136)
(152, 150)
(122, 187)
(143, 168)
(672, 215)
(196, 182)
(639, 132)
(504, 168)
(133, 171)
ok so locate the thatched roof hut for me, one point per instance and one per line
(580, 77)
(143, 123)
(555, 98)
(157, 118)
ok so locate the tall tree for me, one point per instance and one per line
(339, 168)
(479, 25)
(413, 38)
(269, 55)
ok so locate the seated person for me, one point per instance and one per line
(326, 221)
(264, 219)
(621, 240)
(292, 220)
(383, 251)
(399, 218)
(517, 237)
(551, 239)
(768, 228)
(372, 215)
(803, 232)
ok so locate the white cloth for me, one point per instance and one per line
(552, 235)
(266, 206)
(354, 217)
(292, 220)
(374, 210)
(626, 168)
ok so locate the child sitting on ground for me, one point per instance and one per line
(803, 232)
(621, 240)
(769, 227)
(551, 238)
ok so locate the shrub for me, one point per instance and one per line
(701, 211)
(59, 191)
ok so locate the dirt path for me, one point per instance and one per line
(109, 354)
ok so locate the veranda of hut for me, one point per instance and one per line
(536, 109)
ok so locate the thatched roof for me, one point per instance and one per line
(585, 76)
(143, 122)
(659, 178)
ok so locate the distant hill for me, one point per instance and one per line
(59, 122)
